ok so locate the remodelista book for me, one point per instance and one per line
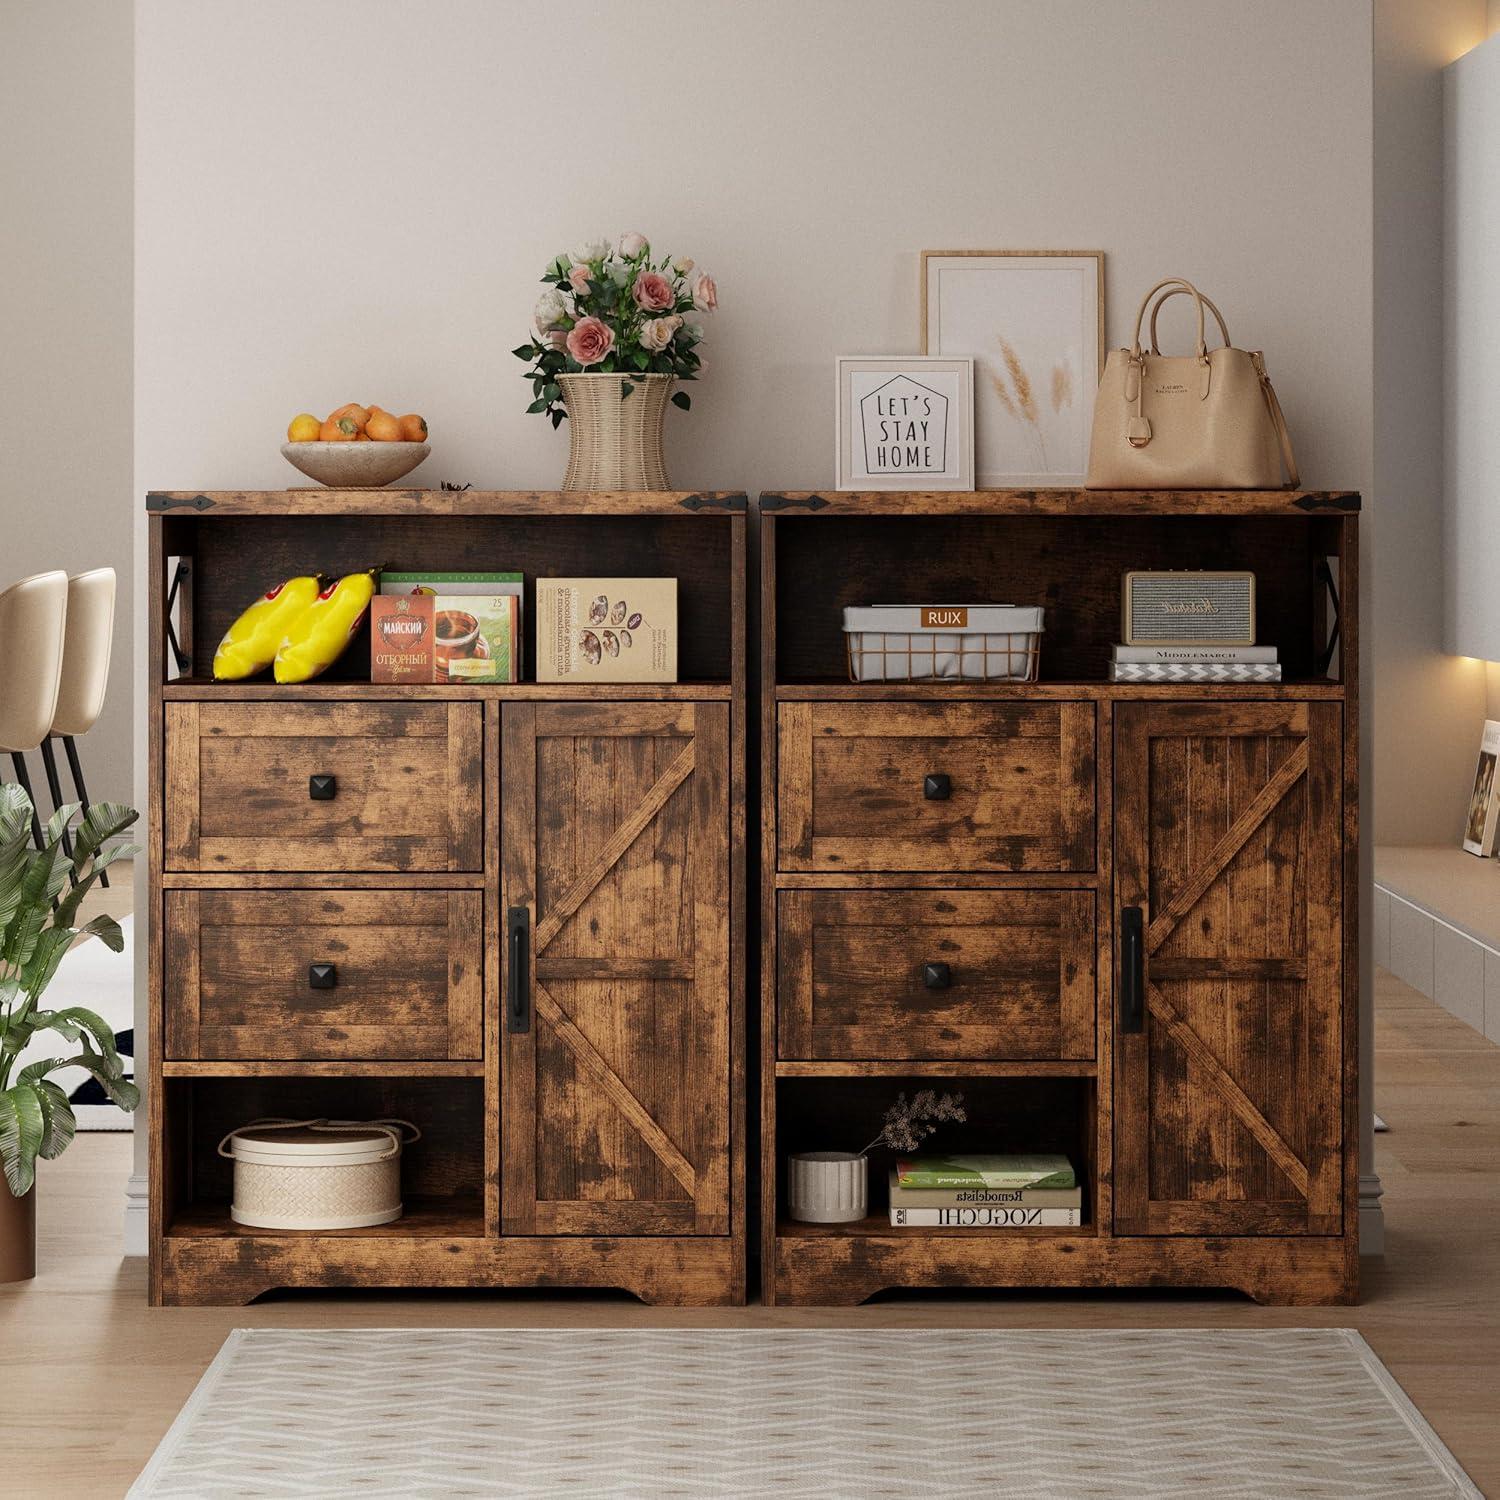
(909, 1197)
(985, 1218)
(1045, 1171)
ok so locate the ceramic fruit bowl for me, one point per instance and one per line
(355, 466)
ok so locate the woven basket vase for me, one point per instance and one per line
(616, 441)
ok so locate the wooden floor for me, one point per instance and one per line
(93, 1377)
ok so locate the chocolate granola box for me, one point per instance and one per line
(606, 630)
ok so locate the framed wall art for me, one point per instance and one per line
(905, 422)
(1482, 823)
(1033, 323)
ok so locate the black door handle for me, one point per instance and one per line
(937, 786)
(1132, 970)
(518, 969)
(937, 976)
(322, 976)
(322, 788)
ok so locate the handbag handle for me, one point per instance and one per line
(388, 1126)
(1180, 285)
(1208, 302)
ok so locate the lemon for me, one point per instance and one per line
(303, 428)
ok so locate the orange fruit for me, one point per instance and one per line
(364, 437)
(383, 427)
(414, 428)
(338, 430)
(361, 414)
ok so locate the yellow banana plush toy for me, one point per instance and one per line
(249, 645)
(317, 637)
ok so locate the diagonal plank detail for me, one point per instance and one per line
(1237, 1099)
(622, 838)
(614, 1087)
(1287, 775)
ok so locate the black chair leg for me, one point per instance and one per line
(23, 776)
(76, 769)
(54, 788)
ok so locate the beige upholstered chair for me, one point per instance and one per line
(33, 614)
(85, 674)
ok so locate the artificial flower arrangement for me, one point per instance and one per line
(614, 309)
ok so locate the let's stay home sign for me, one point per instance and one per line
(903, 426)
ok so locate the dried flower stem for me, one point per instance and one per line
(908, 1123)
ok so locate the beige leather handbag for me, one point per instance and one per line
(1204, 421)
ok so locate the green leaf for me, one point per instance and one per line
(62, 1124)
(625, 389)
(552, 391)
(107, 930)
(539, 405)
(642, 359)
(53, 832)
(101, 823)
(525, 351)
(682, 399)
(75, 1021)
(22, 1130)
(557, 417)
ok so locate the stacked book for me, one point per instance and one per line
(985, 1192)
(1195, 664)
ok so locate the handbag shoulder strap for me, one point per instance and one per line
(1278, 421)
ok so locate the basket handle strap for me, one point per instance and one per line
(390, 1127)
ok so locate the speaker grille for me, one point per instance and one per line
(1176, 608)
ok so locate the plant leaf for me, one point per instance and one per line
(682, 399)
(62, 1124)
(625, 389)
(120, 1090)
(22, 1129)
(73, 1022)
(101, 823)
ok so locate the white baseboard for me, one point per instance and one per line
(137, 1220)
(1371, 1215)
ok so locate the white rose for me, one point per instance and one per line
(591, 250)
(692, 333)
(551, 309)
(656, 333)
(631, 245)
(619, 272)
(683, 264)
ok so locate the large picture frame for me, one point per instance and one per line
(1033, 323)
(1482, 821)
(904, 422)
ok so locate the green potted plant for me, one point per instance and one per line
(36, 930)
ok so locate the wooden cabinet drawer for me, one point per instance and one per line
(406, 976)
(935, 974)
(936, 786)
(405, 791)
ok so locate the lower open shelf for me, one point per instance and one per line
(879, 1225)
(457, 1217)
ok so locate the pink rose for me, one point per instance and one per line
(557, 338)
(705, 293)
(653, 292)
(656, 333)
(590, 340)
(579, 279)
(631, 245)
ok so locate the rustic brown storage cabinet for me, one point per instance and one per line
(350, 955)
(1201, 1068)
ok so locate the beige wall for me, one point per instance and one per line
(1428, 705)
(65, 320)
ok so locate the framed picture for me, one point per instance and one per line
(905, 422)
(1033, 323)
(1482, 826)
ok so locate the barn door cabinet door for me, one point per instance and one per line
(615, 893)
(1229, 1078)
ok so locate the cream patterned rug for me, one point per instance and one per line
(477, 1412)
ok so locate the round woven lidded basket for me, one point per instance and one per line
(316, 1174)
(615, 441)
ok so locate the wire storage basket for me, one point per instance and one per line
(920, 642)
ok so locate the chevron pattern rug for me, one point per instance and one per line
(479, 1412)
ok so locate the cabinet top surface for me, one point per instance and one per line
(316, 500)
(1060, 502)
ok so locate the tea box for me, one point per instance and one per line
(606, 630)
(446, 627)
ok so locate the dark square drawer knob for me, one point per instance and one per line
(322, 788)
(937, 976)
(937, 786)
(322, 976)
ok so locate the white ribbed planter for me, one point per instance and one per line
(827, 1187)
